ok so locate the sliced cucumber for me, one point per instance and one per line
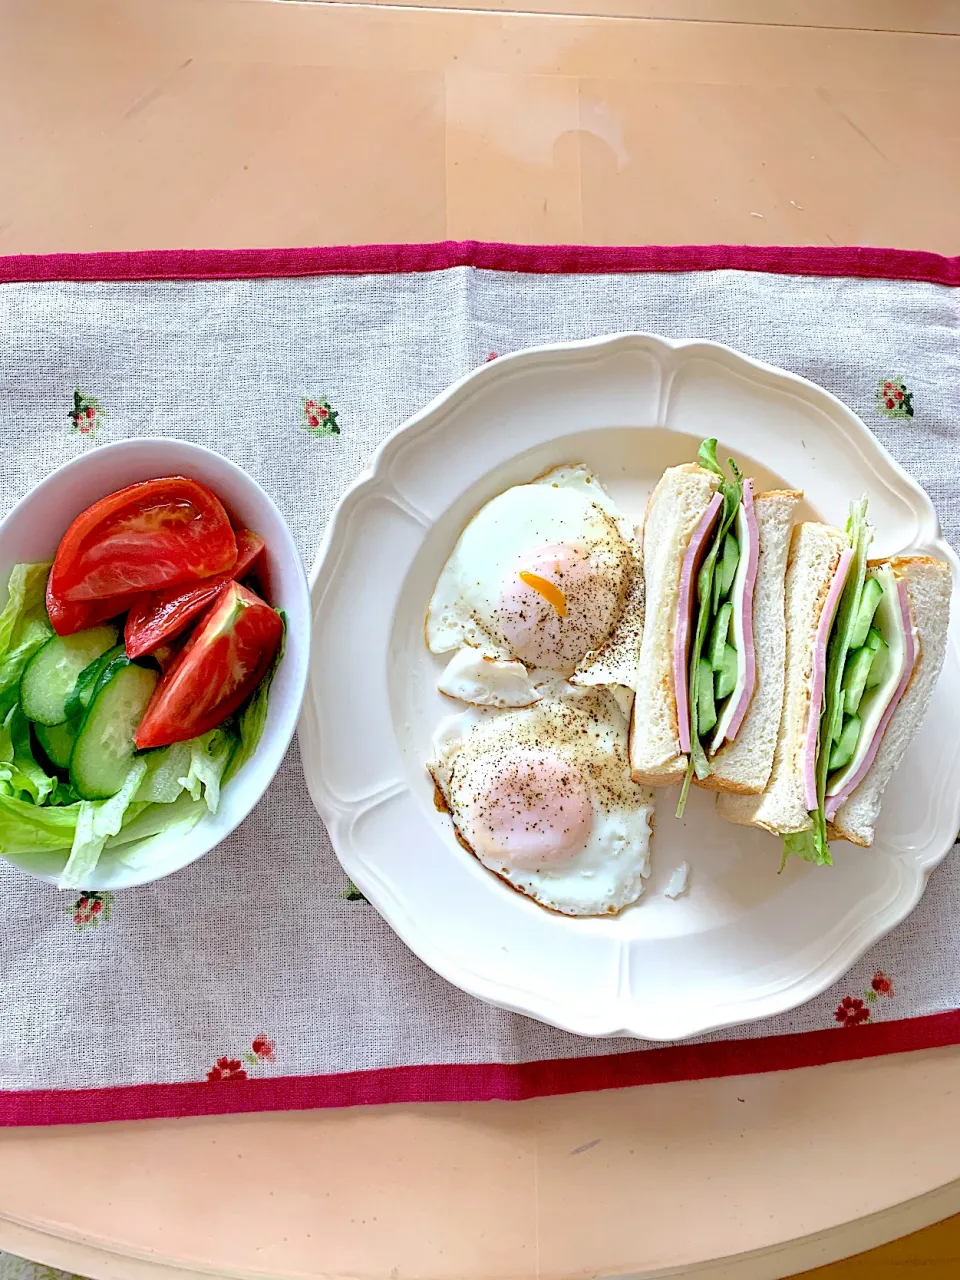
(58, 740)
(855, 675)
(837, 727)
(844, 748)
(869, 599)
(706, 709)
(51, 674)
(881, 656)
(104, 748)
(727, 673)
(728, 565)
(718, 637)
(83, 690)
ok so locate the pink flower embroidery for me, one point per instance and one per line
(882, 984)
(86, 414)
(319, 417)
(491, 356)
(264, 1049)
(261, 1051)
(894, 400)
(227, 1069)
(854, 1010)
(851, 1012)
(90, 909)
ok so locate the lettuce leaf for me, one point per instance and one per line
(33, 778)
(163, 781)
(27, 828)
(96, 821)
(24, 627)
(732, 493)
(209, 757)
(142, 833)
(811, 845)
(25, 607)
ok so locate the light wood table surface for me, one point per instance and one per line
(155, 123)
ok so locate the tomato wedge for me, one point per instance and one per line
(222, 663)
(155, 619)
(156, 534)
(68, 616)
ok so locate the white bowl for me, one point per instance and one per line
(743, 942)
(32, 532)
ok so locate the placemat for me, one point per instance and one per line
(258, 978)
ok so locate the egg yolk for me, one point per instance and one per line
(556, 605)
(535, 811)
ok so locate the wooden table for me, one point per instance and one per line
(141, 123)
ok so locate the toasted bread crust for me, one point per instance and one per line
(797, 494)
(712, 783)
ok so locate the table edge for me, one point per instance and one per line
(773, 1262)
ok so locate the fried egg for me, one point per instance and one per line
(542, 796)
(546, 576)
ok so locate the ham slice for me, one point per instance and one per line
(745, 608)
(681, 634)
(910, 658)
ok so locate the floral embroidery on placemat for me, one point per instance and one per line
(320, 417)
(261, 1050)
(91, 909)
(893, 398)
(853, 1011)
(87, 414)
(352, 893)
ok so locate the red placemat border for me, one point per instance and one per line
(480, 1082)
(475, 1082)
(381, 259)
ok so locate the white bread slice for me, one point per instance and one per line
(673, 512)
(928, 586)
(743, 766)
(815, 551)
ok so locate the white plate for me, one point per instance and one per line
(744, 942)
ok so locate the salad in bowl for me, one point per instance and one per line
(136, 670)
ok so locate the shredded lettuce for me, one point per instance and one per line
(133, 847)
(44, 823)
(96, 820)
(811, 845)
(209, 757)
(163, 781)
(27, 775)
(732, 493)
(24, 627)
(27, 828)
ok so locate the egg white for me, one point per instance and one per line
(589, 730)
(567, 506)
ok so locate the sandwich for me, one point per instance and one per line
(709, 684)
(865, 641)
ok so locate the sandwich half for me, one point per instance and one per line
(709, 685)
(864, 646)
(922, 587)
